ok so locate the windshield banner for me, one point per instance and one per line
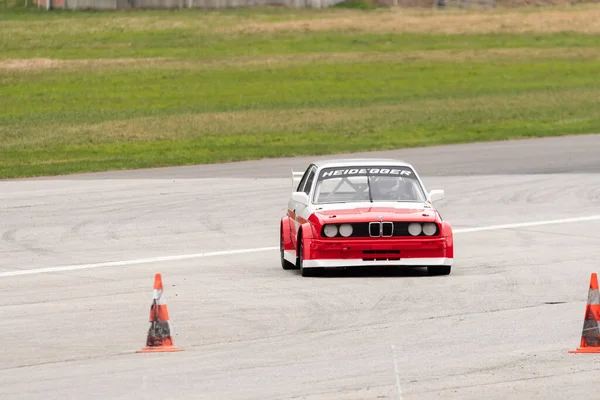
(371, 171)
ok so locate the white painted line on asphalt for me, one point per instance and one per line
(261, 249)
(134, 262)
(397, 373)
(526, 224)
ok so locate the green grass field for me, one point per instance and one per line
(92, 91)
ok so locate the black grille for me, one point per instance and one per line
(387, 229)
(370, 229)
(373, 229)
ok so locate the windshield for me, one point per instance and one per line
(336, 185)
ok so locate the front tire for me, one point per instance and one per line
(435, 270)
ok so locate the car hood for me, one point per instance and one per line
(414, 212)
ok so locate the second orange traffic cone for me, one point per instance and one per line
(159, 335)
(590, 335)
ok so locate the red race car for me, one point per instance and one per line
(364, 213)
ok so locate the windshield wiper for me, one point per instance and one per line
(369, 185)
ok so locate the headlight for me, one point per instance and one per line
(330, 230)
(414, 229)
(429, 228)
(346, 230)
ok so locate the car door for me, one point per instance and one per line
(300, 212)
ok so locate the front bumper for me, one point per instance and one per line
(408, 262)
(335, 253)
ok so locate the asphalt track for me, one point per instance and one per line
(499, 327)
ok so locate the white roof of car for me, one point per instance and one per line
(358, 162)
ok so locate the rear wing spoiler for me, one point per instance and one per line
(296, 177)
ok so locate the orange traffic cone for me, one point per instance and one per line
(590, 336)
(159, 335)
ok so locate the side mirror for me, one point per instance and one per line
(436, 195)
(300, 197)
